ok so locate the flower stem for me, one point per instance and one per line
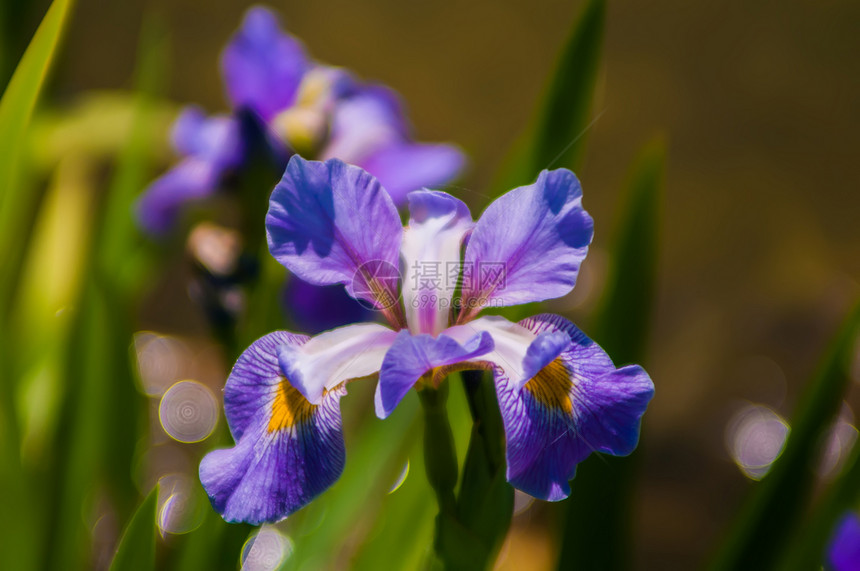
(471, 526)
(440, 457)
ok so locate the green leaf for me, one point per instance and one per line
(597, 532)
(18, 202)
(328, 529)
(776, 506)
(557, 138)
(624, 317)
(485, 501)
(215, 546)
(119, 235)
(19, 541)
(136, 550)
(102, 409)
(806, 550)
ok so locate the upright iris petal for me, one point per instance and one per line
(287, 450)
(370, 119)
(262, 66)
(369, 129)
(333, 223)
(528, 244)
(438, 223)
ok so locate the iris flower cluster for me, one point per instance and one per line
(287, 103)
(559, 393)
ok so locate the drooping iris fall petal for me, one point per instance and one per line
(287, 450)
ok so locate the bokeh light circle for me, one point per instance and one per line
(755, 437)
(266, 550)
(182, 504)
(188, 411)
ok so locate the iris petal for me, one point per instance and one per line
(843, 551)
(573, 402)
(213, 146)
(159, 206)
(314, 309)
(438, 223)
(262, 66)
(287, 450)
(369, 119)
(411, 356)
(528, 244)
(404, 167)
(331, 358)
(333, 223)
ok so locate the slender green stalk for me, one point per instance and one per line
(440, 457)
(471, 524)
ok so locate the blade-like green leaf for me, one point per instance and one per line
(776, 505)
(17, 210)
(119, 234)
(622, 321)
(215, 546)
(557, 138)
(806, 550)
(376, 455)
(18, 202)
(597, 532)
(402, 533)
(485, 501)
(102, 409)
(136, 550)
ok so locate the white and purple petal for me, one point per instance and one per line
(334, 357)
(528, 244)
(511, 342)
(430, 251)
(411, 356)
(334, 223)
(287, 450)
(262, 66)
(575, 404)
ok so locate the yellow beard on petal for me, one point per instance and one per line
(551, 387)
(289, 408)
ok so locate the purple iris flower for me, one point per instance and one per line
(560, 395)
(302, 107)
(843, 553)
